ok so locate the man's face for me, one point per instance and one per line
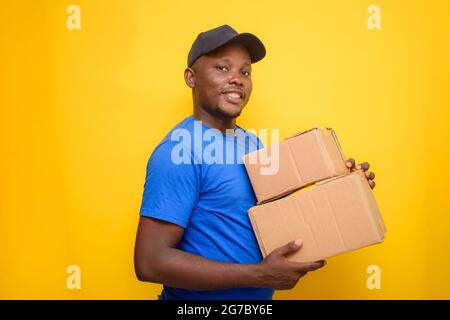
(222, 81)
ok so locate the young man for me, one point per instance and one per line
(194, 234)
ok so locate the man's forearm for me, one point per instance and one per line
(176, 268)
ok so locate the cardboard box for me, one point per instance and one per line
(334, 216)
(303, 159)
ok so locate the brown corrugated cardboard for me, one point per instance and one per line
(303, 159)
(334, 216)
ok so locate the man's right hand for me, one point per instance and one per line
(279, 273)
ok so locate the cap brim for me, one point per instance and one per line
(251, 42)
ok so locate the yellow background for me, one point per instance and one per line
(82, 110)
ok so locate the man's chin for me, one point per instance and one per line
(232, 111)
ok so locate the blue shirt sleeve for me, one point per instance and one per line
(171, 190)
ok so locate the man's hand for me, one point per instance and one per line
(350, 163)
(279, 273)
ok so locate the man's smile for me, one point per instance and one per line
(234, 96)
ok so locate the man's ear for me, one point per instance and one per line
(189, 77)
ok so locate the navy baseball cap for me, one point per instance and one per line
(212, 39)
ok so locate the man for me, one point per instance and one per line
(194, 234)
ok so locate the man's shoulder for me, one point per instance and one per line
(175, 141)
(185, 124)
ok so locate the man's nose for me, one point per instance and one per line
(236, 78)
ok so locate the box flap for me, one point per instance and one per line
(334, 178)
(337, 143)
(299, 133)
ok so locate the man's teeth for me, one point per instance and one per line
(234, 95)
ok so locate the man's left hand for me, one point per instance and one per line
(350, 163)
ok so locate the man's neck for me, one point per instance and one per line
(214, 122)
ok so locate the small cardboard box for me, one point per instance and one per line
(334, 216)
(301, 160)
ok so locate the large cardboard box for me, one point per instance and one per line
(332, 217)
(302, 159)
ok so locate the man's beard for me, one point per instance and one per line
(225, 113)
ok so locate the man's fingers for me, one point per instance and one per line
(364, 165)
(310, 266)
(370, 175)
(350, 163)
(289, 248)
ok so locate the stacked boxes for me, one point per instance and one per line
(336, 214)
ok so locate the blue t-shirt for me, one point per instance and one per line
(196, 179)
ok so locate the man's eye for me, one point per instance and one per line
(221, 68)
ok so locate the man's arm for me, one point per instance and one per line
(157, 260)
